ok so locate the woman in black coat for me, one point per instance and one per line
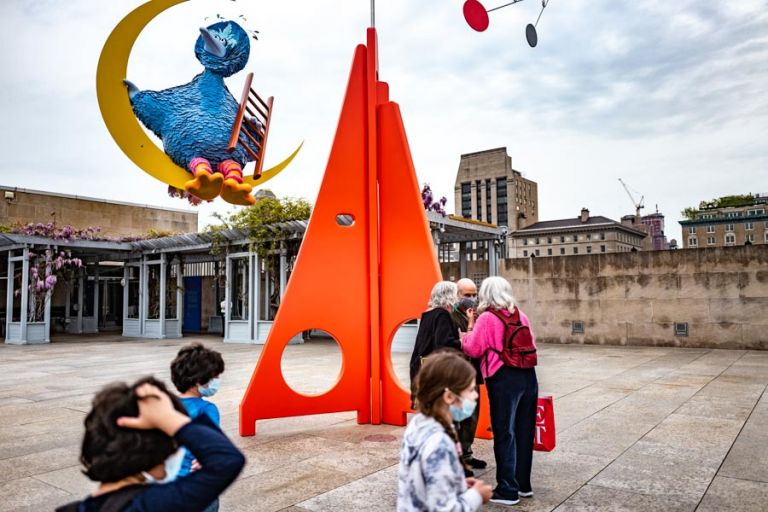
(436, 328)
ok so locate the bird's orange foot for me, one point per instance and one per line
(206, 184)
(233, 190)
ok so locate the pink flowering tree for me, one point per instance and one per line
(49, 266)
(429, 201)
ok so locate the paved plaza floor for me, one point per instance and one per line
(639, 429)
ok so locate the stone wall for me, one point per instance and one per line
(115, 219)
(636, 298)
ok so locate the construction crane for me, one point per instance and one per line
(637, 204)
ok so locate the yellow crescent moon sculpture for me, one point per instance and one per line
(116, 107)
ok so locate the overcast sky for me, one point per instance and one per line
(671, 96)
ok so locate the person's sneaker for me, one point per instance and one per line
(525, 494)
(477, 463)
(500, 500)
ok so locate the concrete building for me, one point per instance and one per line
(726, 226)
(653, 226)
(115, 218)
(488, 189)
(579, 235)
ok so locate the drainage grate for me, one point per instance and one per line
(577, 327)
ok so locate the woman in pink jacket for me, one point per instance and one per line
(512, 392)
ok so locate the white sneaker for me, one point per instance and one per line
(528, 494)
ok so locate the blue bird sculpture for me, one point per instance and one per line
(195, 120)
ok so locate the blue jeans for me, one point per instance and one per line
(513, 395)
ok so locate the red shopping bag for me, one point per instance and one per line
(544, 435)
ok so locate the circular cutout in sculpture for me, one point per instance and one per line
(314, 367)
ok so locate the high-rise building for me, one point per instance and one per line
(653, 225)
(489, 190)
(733, 220)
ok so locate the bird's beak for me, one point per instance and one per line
(212, 45)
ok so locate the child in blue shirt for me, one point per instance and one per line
(196, 373)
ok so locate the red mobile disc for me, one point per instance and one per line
(476, 15)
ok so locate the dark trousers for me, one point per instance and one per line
(513, 394)
(466, 430)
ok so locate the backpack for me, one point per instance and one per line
(518, 348)
(116, 502)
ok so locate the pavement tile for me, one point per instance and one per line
(748, 456)
(595, 498)
(30, 495)
(732, 495)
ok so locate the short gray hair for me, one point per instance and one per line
(495, 292)
(444, 293)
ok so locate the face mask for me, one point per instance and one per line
(172, 466)
(468, 303)
(465, 411)
(211, 388)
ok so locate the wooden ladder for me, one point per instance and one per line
(258, 110)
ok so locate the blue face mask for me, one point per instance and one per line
(211, 388)
(465, 411)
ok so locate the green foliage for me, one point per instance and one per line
(157, 233)
(4, 228)
(260, 221)
(719, 202)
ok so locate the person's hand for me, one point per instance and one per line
(155, 411)
(470, 317)
(195, 466)
(471, 481)
(484, 490)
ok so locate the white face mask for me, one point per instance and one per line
(172, 467)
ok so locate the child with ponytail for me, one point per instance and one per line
(431, 475)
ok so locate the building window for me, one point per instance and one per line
(589, 248)
(466, 200)
(549, 252)
(602, 236)
(589, 236)
(692, 242)
(488, 204)
(749, 226)
(537, 241)
(729, 227)
(575, 250)
(562, 239)
(549, 239)
(766, 236)
(750, 237)
(730, 239)
(691, 230)
(710, 229)
(479, 200)
(501, 201)
(710, 240)
(602, 248)
(537, 252)
(525, 241)
(525, 253)
(562, 249)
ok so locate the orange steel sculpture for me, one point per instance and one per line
(386, 258)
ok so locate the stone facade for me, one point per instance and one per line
(116, 219)
(488, 189)
(640, 298)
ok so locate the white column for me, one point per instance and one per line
(283, 269)
(180, 295)
(24, 294)
(251, 301)
(493, 265)
(9, 295)
(227, 295)
(163, 270)
(96, 295)
(80, 289)
(257, 289)
(143, 294)
(126, 279)
(47, 308)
